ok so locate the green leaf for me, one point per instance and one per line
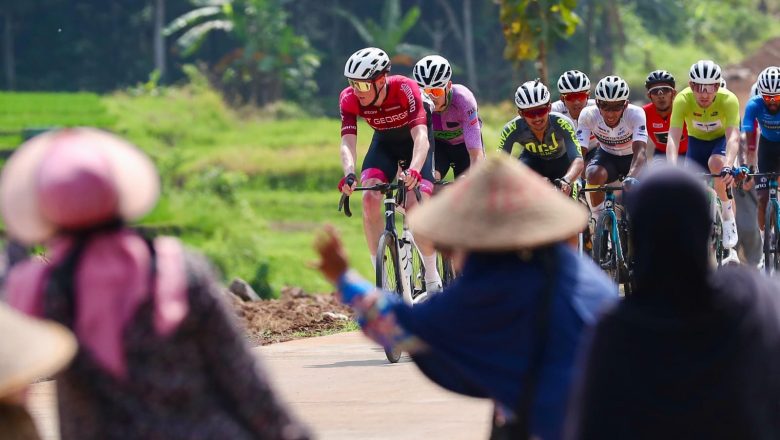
(190, 18)
(190, 41)
(409, 20)
(356, 23)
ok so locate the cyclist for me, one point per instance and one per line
(457, 129)
(549, 145)
(574, 90)
(621, 131)
(661, 91)
(764, 109)
(393, 107)
(711, 115)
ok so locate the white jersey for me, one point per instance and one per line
(619, 140)
(560, 107)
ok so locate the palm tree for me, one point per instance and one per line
(390, 33)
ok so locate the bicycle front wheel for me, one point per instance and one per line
(771, 239)
(716, 242)
(388, 276)
(604, 250)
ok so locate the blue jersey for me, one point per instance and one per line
(770, 123)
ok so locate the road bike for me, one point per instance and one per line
(399, 263)
(611, 246)
(771, 225)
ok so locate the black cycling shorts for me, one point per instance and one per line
(616, 166)
(387, 148)
(768, 161)
(451, 156)
(550, 168)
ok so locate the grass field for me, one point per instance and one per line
(248, 191)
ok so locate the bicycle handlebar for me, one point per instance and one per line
(383, 187)
(603, 188)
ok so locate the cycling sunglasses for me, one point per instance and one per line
(535, 112)
(575, 96)
(360, 86)
(771, 99)
(705, 88)
(436, 92)
(611, 106)
(660, 90)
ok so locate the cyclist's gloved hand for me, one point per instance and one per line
(563, 185)
(727, 173)
(347, 183)
(629, 182)
(413, 178)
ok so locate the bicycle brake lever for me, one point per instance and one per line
(417, 194)
(344, 203)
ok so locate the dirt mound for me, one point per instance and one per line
(295, 314)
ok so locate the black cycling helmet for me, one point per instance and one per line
(659, 77)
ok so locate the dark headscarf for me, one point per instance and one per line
(695, 353)
(671, 225)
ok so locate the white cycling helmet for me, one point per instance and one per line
(367, 64)
(531, 94)
(432, 71)
(723, 83)
(705, 72)
(769, 81)
(612, 88)
(754, 89)
(573, 81)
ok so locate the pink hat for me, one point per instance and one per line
(72, 179)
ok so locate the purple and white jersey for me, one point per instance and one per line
(459, 122)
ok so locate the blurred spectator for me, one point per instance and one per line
(160, 356)
(509, 327)
(29, 349)
(693, 353)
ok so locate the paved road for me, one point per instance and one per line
(344, 388)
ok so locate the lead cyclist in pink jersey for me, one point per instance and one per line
(456, 125)
(394, 108)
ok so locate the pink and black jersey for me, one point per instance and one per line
(403, 107)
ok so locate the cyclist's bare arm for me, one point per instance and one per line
(475, 155)
(732, 145)
(575, 169)
(348, 153)
(751, 143)
(673, 144)
(640, 157)
(420, 152)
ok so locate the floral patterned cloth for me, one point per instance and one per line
(201, 382)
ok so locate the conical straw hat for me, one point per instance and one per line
(500, 205)
(30, 349)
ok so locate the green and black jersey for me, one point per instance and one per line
(559, 139)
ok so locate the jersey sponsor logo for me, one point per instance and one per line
(474, 121)
(707, 126)
(448, 135)
(642, 128)
(614, 140)
(662, 136)
(542, 149)
(508, 130)
(410, 96)
(715, 113)
(370, 112)
(388, 119)
(657, 125)
(471, 112)
(697, 114)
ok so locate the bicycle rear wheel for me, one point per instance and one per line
(388, 276)
(604, 252)
(771, 239)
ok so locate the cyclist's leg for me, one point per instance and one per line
(768, 162)
(460, 159)
(441, 165)
(602, 169)
(378, 167)
(426, 189)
